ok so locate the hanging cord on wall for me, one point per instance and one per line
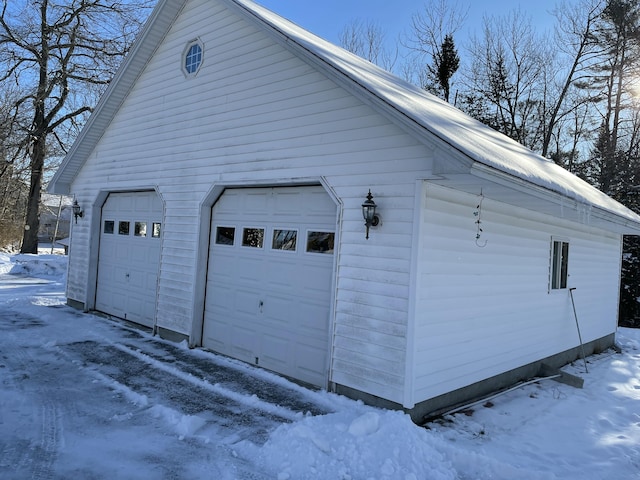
(478, 215)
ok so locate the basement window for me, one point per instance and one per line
(559, 264)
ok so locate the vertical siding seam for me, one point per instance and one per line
(93, 248)
(156, 188)
(334, 287)
(201, 256)
(410, 343)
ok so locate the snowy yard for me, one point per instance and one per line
(89, 398)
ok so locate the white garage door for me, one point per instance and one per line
(269, 279)
(129, 256)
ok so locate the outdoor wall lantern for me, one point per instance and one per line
(369, 213)
(77, 211)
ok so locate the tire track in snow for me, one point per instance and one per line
(46, 451)
(231, 375)
(23, 457)
(149, 386)
(53, 410)
(251, 401)
(13, 452)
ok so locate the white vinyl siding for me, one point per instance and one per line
(481, 311)
(256, 114)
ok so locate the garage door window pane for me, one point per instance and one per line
(225, 235)
(284, 239)
(320, 242)
(252, 237)
(109, 226)
(140, 229)
(123, 228)
(155, 232)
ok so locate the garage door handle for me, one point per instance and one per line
(126, 275)
(260, 305)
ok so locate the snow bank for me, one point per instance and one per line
(374, 444)
(183, 425)
(53, 267)
(5, 263)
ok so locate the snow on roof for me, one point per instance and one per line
(423, 112)
(479, 142)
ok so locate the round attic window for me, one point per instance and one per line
(192, 58)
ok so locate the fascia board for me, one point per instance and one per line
(629, 225)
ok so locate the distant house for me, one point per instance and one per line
(55, 217)
(223, 176)
(64, 243)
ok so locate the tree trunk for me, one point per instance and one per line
(32, 223)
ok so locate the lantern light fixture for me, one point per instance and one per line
(369, 213)
(77, 211)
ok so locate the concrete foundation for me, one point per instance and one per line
(433, 407)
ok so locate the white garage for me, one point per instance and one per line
(129, 256)
(270, 272)
(419, 314)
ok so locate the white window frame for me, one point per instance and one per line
(225, 245)
(243, 228)
(559, 264)
(285, 251)
(185, 54)
(318, 230)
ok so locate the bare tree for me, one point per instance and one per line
(61, 54)
(13, 189)
(575, 38)
(509, 78)
(368, 40)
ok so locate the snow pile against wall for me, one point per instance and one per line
(323, 447)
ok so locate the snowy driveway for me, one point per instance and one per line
(84, 397)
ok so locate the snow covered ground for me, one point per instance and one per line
(89, 398)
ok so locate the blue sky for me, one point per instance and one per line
(327, 18)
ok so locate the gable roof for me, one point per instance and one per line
(487, 152)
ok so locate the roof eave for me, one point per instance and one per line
(625, 222)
